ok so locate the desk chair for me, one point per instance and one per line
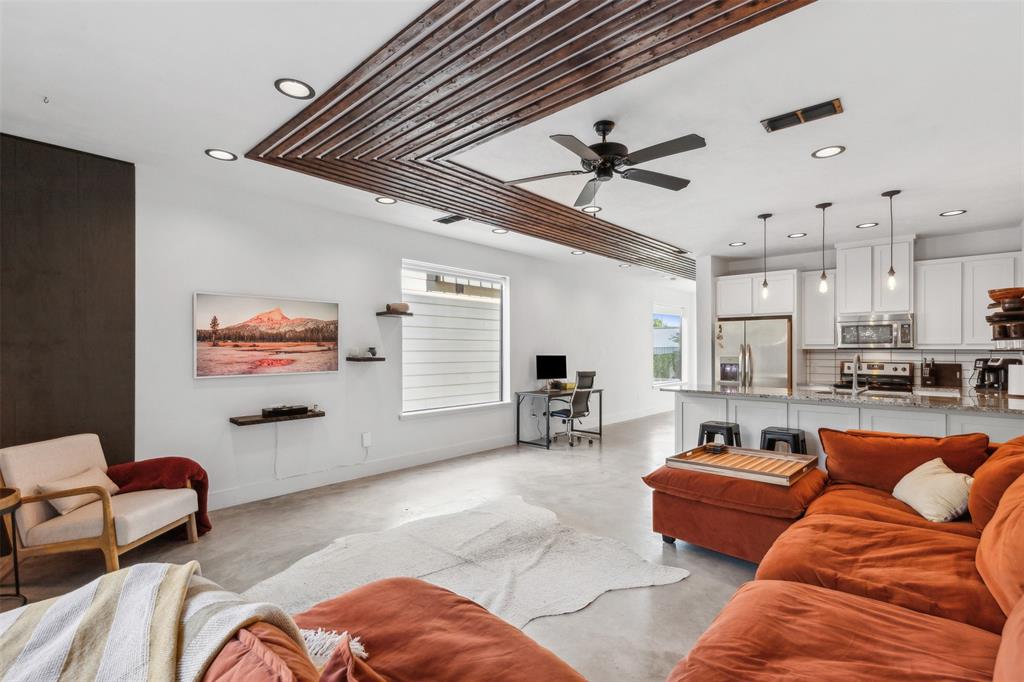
(578, 406)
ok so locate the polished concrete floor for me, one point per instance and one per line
(626, 635)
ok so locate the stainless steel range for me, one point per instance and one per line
(896, 377)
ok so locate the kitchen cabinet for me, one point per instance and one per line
(734, 295)
(818, 310)
(853, 280)
(861, 273)
(740, 295)
(691, 412)
(917, 422)
(898, 299)
(781, 299)
(809, 418)
(999, 429)
(951, 298)
(938, 303)
(754, 416)
(981, 274)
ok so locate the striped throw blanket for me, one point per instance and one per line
(146, 622)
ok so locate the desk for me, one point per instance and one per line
(547, 396)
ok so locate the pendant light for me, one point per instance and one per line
(823, 284)
(891, 280)
(764, 283)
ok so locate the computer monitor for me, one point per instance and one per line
(550, 367)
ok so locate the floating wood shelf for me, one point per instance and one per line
(363, 359)
(253, 419)
(386, 313)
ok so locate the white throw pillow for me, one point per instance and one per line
(935, 491)
(91, 476)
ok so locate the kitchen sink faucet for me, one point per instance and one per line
(857, 388)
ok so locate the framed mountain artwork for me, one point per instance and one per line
(254, 335)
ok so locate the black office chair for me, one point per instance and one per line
(578, 406)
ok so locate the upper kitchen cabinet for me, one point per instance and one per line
(781, 298)
(938, 302)
(951, 298)
(853, 280)
(733, 295)
(741, 295)
(861, 273)
(982, 273)
(818, 311)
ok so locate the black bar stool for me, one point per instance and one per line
(729, 431)
(780, 434)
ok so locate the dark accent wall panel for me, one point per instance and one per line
(67, 296)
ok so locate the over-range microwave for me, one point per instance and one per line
(876, 331)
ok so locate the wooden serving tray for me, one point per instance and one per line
(766, 466)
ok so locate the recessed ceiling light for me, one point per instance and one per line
(386, 200)
(591, 209)
(737, 243)
(864, 225)
(828, 152)
(797, 235)
(293, 88)
(578, 253)
(499, 230)
(959, 211)
(220, 155)
(625, 265)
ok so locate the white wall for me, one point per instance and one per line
(194, 236)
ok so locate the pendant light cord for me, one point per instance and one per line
(764, 250)
(890, 232)
(823, 240)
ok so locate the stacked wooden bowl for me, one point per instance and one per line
(1007, 316)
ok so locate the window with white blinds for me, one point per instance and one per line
(453, 346)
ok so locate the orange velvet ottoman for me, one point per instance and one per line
(734, 516)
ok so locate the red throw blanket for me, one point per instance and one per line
(165, 472)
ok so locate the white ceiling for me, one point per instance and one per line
(932, 99)
(932, 93)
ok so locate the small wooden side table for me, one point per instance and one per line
(10, 500)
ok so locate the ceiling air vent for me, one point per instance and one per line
(805, 115)
(449, 219)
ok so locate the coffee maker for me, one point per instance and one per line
(992, 374)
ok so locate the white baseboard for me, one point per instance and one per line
(229, 497)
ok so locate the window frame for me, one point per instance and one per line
(505, 364)
(681, 311)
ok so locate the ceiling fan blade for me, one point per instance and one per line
(544, 177)
(677, 146)
(576, 146)
(657, 179)
(586, 197)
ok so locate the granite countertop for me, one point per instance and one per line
(995, 403)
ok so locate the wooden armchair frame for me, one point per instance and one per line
(106, 541)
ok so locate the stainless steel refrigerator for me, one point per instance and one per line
(754, 352)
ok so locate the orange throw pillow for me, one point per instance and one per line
(880, 460)
(992, 479)
(1001, 547)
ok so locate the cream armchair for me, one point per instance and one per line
(111, 524)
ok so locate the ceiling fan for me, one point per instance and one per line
(606, 159)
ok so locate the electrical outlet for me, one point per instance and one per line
(367, 439)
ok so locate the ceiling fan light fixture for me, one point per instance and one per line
(294, 88)
(863, 226)
(591, 209)
(220, 154)
(828, 152)
(949, 214)
(387, 201)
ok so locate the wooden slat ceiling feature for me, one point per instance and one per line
(466, 71)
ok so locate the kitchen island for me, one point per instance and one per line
(810, 408)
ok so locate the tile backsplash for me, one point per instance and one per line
(822, 366)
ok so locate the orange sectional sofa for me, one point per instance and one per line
(864, 588)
